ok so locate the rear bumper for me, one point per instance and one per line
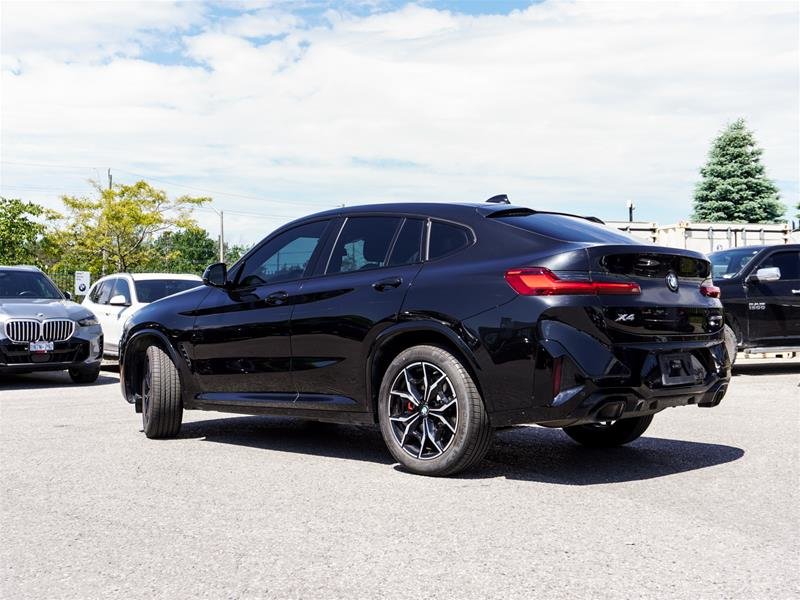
(82, 350)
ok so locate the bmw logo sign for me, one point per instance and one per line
(672, 281)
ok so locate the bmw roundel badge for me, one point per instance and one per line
(672, 281)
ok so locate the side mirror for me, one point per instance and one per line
(67, 295)
(216, 275)
(119, 300)
(765, 275)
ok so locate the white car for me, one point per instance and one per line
(114, 298)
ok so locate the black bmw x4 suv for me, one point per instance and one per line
(440, 322)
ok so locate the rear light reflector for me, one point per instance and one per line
(538, 281)
(558, 363)
(709, 289)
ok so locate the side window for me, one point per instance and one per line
(122, 288)
(407, 248)
(283, 258)
(94, 295)
(787, 262)
(363, 244)
(446, 238)
(106, 288)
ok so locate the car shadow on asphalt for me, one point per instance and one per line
(520, 453)
(46, 380)
(754, 368)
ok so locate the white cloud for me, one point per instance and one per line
(571, 106)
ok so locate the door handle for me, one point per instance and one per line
(389, 282)
(276, 298)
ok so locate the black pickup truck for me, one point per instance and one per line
(760, 288)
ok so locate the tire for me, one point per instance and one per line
(731, 342)
(618, 433)
(162, 408)
(451, 430)
(84, 374)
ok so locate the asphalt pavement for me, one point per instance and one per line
(705, 505)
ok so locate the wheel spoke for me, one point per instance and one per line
(408, 428)
(441, 409)
(445, 421)
(433, 387)
(429, 429)
(422, 439)
(408, 397)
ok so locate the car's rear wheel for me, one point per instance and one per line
(431, 414)
(612, 433)
(84, 374)
(162, 408)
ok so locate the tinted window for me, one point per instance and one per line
(150, 290)
(787, 262)
(407, 247)
(122, 288)
(447, 238)
(363, 244)
(567, 229)
(94, 295)
(104, 293)
(284, 257)
(26, 284)
(728, 263)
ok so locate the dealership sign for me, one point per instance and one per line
(83, 279)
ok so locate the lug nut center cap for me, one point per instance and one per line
(424, 410)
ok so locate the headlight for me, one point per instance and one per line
(88, 321)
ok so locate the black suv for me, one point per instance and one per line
(761, 294)
(440, 322)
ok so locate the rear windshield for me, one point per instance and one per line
(150, 290)
(567, 229)
(728, 263)
(27, 284)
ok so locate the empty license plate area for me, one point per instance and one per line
(680, 368)
(36, 347)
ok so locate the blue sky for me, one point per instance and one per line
(277, 109)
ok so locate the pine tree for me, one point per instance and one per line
(734, 185)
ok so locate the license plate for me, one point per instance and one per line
(41, 347)
(677, 369)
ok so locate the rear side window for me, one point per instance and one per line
(363, 244)
(566, 228)
(407, 248)
(447, 238)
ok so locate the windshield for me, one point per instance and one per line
(150, 290)
(27, 284)
(728, 263)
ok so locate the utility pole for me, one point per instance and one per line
(221, 236)
(631, 208)
(109, 179)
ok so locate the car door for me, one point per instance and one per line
(116, 308)
(774, 306)
(99, 297)
(241, 349)
(357, 291)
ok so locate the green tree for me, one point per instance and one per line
(23, 228)
(734, 185)
(119, 226)
(188, 250)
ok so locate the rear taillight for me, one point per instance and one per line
(709, 289)
(538, 281)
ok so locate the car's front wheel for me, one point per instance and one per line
(611, 433)
(84, 374)
(162, 408)
(431, 414)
